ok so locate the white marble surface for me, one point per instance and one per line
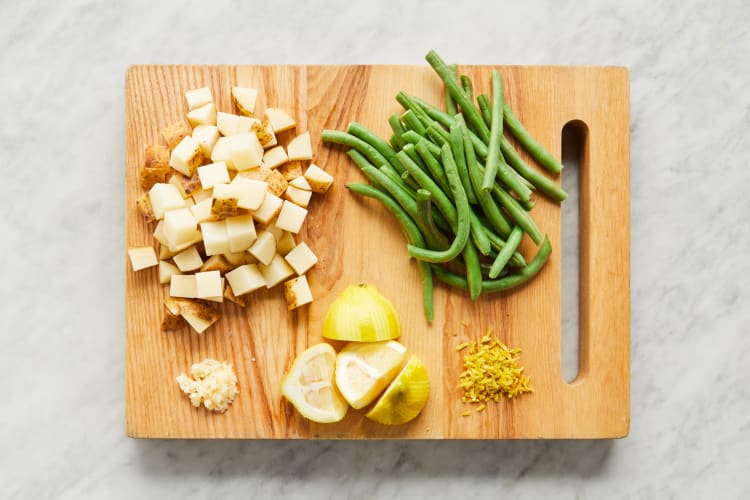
(62, 144)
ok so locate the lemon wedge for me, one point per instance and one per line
(363, 370)
(310, 387)
(405, 397)
(361, 314)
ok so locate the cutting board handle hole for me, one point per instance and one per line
(574, 145)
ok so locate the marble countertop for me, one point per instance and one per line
(62, 140)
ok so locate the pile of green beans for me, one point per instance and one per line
(458, 188)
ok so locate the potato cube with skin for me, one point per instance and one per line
(199, 314)
(217, 263)
(301, 258)
(166, 271)
(185, 185)
(198, 97)
(208, 285)
(229, 295)
(318, 179)
(144, 207)
(142, 258)
(291, 170)
(188, 260)
(279, 119)
(275, 272)
(175, 133)
(153, 175)
(245, 151)
(182, 285)
(156, 157)
(250, 192)
(298, 196)
(285, 243)
(300, 148)
(265, 134)
(244, 98)
(300, 183)
(206, 136)
(215, 237)
(205, 115)
(291, 217)
(186, 156)
(276, 183)
(258, 174)
(212, 174)
(245, 279)
(274, 157)
(264, 247)
(241, 231)
(202, 210)
(268, 209)
(164, 197)
(297, 292)
(225, 201)
(179, 226)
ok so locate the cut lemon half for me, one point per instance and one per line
(363, 370)
(310, 387)
(405, 397)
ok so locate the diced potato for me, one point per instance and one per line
(268, 209)
(275, 231)
(245, 151)
(198, 313)
(319, 179)
(156, 157)
(144, 207)
(250, 258)
(173, 134)
(217, 263)
(258, 174)
(241, 232)
(291, 217)
(300, 183)
(213, 173)
(264, 247)
(186, 156)
(215, 237)
(229, 295)
(291, 170)
(225, 201)
(297, 292)
(298, 196)
(236, 259)
(202, 194)
(142, 258)
(265, 134)
(285, 243)
(198, 97)
(275, 272)
(182, 285)
(172, 322)
(160, 236)
(208, 285)
(164, 197)
(166, 271)
(245, 279)
(179, 226)
(300, 148)
(250, 192)
(186, 185)
(188, 260)
(202, 210)
(153, 175)
(244, 98)
(206, 136)
(205, 115)
(220, 152)
(279, 119)
(230, 124)
(301, 258)
(274, 157)
(276, 183)
(193, 238)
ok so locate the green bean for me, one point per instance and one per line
(462, 214)
(439, 197)
(362, 163)
(504, 255)
(473, 270)
(411, 122)
(396, 177)
(434, 167)
(450, 103)
(535, 149)
(479, 235)
(411, 150)
(527, 205)
(498, 244)
(485, 108)
(396, 141)
(402, 197)
(434, 237)
(473, 116)
(398, 130)
(502, 284)
(413, 236)
(457, 145)
(414, 138)
(434, 133)
(543, 184)
(440, 116)
(491, 210)
(467, 86)
(346, 139)
(518, 213)
(367, 135)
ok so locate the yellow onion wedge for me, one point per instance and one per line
(361, 314)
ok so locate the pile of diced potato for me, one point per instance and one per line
(227, 200)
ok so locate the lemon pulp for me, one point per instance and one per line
(363, 370)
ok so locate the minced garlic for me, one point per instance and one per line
(214, 385)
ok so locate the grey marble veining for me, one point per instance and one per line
(62, 144)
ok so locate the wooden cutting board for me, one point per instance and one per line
(356, 240)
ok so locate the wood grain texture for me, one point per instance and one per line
(356, 240)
